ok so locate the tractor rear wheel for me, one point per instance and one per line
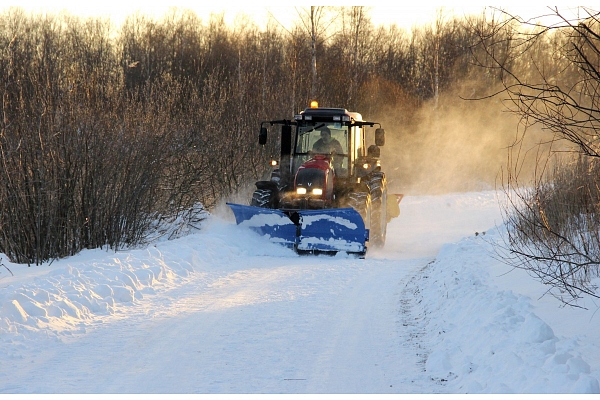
(378, 191)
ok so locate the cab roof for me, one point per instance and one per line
(324, 112)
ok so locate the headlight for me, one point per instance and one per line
(366, 166)
(317, 192)
(274, 163)
(301, 190)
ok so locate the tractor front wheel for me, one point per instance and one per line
(361, 202)
(264, 198)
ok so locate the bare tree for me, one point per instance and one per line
(550, 78)
(316, 23)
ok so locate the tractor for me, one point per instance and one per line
(327, 192)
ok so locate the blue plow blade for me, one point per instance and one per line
(336, 229)
(323, 230)
(268, 222)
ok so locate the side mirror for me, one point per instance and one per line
(379, 136)
(262, 136)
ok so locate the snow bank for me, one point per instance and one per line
(82, 288)
(64, 297)
(487, 340)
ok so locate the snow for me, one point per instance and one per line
(310, 219)
(266, 219)
(223, 310)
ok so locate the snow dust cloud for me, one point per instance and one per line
(460, 145)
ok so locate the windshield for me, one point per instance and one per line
(328, 138)
(322, 137)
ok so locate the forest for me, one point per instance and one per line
(108, 130)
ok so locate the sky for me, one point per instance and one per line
(407, 16)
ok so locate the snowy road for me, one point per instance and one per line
(277, 325)
(223, 311)
(300, 327)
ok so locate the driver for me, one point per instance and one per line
(327, 144)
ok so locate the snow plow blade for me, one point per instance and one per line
(307, 231)
(332, 230)
(266, 221)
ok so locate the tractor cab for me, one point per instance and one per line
(346, 141)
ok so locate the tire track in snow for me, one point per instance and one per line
(415, 323)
